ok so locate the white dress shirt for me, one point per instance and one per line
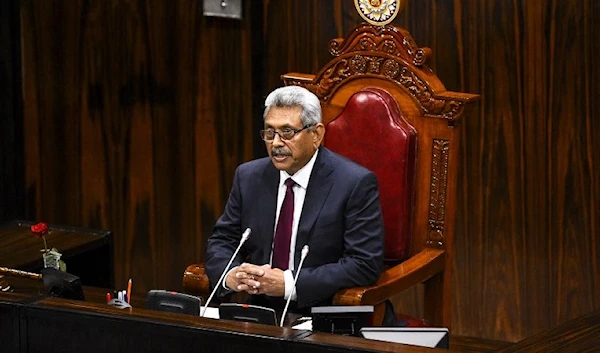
(301, 178)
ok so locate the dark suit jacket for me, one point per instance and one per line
(341, 222)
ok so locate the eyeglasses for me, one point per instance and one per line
(285, 134)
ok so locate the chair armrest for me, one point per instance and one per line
(417, 269)
(195, 280)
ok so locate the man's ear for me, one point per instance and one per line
(318, 134)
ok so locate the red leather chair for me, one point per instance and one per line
(372, 132)
(385, 109)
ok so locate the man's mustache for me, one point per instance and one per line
(280, 152)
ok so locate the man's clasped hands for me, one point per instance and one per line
(255, 279)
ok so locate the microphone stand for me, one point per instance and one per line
(244, 238)
(287, 303)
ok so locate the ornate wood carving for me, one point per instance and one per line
(437, 192)
(389, 53)
(390, 40)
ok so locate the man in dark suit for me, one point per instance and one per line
(334, 210)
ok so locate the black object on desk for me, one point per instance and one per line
(343, 320)
(174, 302)
(248, 313)
(62, 284)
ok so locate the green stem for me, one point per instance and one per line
(45, 246)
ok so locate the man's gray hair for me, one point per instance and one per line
(295, 96)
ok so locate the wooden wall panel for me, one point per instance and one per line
(527, 230)
(12, 201)
(137, 113)
(528, 257)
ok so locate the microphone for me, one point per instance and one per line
(287, 303)
(245, 236)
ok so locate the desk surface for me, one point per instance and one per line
(20, 249)
(88, 253)
(578, 336)
(92, 326)
(137, 329)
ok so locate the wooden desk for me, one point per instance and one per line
(58, 325)
(10, 304)
(578, 335)
(87, 253)
(94, 327)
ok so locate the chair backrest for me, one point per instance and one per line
(387, 110)
(372, 132)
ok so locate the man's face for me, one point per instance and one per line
(291, 155)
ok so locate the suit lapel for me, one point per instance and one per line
(265, 211)
(319, 186)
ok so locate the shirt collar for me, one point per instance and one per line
(302, 176)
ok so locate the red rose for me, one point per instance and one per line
(40, 229)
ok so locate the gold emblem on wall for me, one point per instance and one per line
(378, 12)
